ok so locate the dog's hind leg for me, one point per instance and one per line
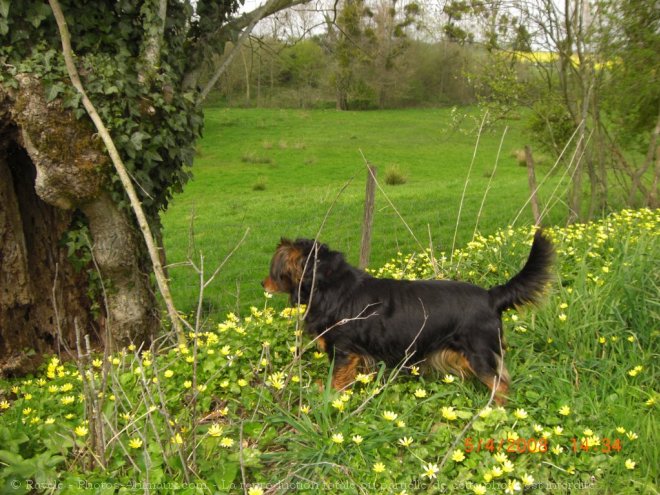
(493, 373)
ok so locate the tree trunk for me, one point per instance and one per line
(40, 291)
(52, 167)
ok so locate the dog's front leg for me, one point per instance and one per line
(343, 374)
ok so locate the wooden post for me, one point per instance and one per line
(531, 177)
(368, 220)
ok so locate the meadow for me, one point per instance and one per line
(295, 173)
(239, 408)
(244, 405)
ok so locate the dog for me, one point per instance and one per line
(451, 326)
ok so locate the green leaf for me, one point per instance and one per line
(4, 8)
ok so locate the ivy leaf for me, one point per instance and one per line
(4, 8)
(53, 91)
(37, 13)
(137, 138)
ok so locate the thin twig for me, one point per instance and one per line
(465, 185)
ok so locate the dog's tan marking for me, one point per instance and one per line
(498, 383)
(344, 375)
(450, 361)
(321, 344)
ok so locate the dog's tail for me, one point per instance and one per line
(526, 286)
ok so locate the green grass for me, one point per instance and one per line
(279, 172)
(240, 406)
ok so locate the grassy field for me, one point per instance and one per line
(278, 172)
(240, 406)
(238, 409)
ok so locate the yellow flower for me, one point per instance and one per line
(458, 456)
(479, 489)
(176, 439)
(135, 443)
(338, 404)
(430, 470)
(420, 393)
(4, 405)
(338, 438)
(414, 370)
(557, 449)
(496, 471)
(448, 413)
(169, 373)
(537, 428)
(226, 442)
(485, 412)
(357, 439)
(558, 430)
(67, 387)
(256, 490)
(448, 379)
(305, 409)
(527, 479)
(507, 466)
(650, 402)
(588, 432)
(389, 415)
(81, 431)
(362, 378)
(630, 464)
(27, 411)
(520, 413)
(500, 457)
(565, 410)
(563, 305)
(406, 441)
(562, 317)
(241, 382)
(512, 486)
(379, 467)
(602, 340)
(215, 430)
(187, 384)
(201, 388)
(69, 399)
(400, 424)
(97, 363)
(49, 421)
(620, 429)
(632, 435)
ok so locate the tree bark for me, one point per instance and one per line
(40, 291)
(54, 166)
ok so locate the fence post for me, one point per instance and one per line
(368, 219)
(531, 177)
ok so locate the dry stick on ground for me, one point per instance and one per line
(120, 168)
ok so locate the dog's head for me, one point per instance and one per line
(304, 265)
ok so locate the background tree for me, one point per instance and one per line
(70, 252)
(579, 84)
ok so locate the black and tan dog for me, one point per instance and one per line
(447, 325)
